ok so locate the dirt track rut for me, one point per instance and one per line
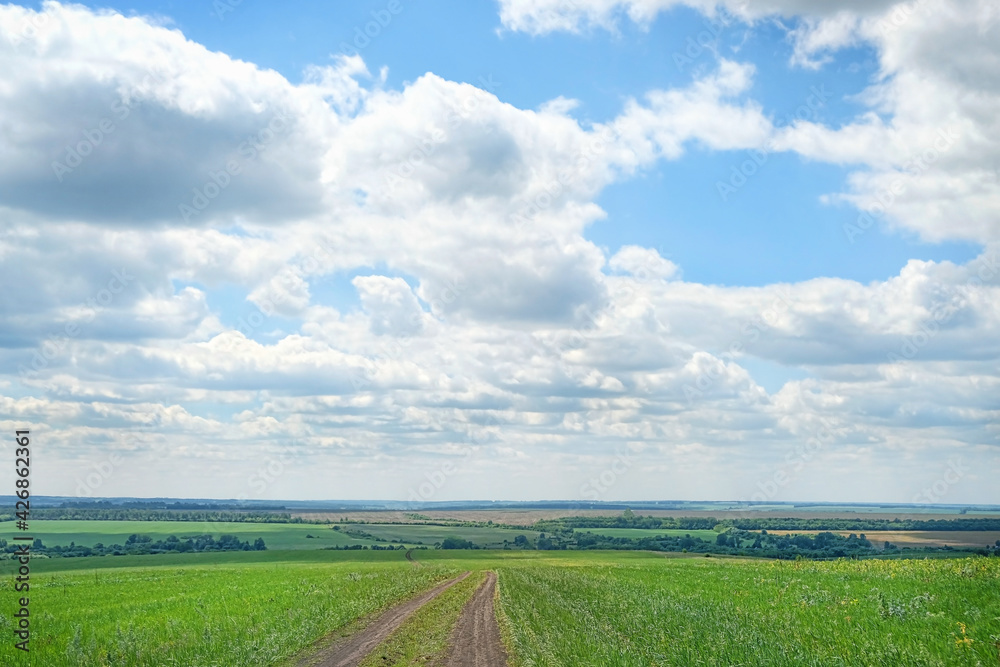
(475, 642)
(352, 650)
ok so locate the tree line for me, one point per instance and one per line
(630, 520)
(137, 545)
(138, 514)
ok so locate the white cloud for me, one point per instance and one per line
(512, 336)
(391, 305)
(927, 148)
(544, 16)
(643, 263)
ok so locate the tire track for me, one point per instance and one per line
(351, 651)
(475, 642)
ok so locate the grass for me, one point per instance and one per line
(276, 535)
(423, 638)
(557, 608)
(206, 614)
(741, 612)
(51, 565)
(635, 533)
(412, 534)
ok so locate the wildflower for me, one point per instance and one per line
(963, 641)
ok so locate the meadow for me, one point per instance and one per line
(555, 608)
(416, 534)
(276, 535)
(741, 612)
(635, 533)
(203, 612)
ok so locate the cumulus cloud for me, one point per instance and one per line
(513, 343)
(391, 305)
(120, 120)
(926, 149)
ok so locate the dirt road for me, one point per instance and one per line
(475, 641)
(352, 650)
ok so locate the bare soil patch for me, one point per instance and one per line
(528, 517)
(914, 538)
(351, 650)
(475, 642)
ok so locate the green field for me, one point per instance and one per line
(733, 612)
(636, 533)
(556, 608)
(203, 613)
(412, 534)
(276, 535)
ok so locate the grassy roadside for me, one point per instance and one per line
(206, 614)
(779, 613)
(423, 638)
(507, 636)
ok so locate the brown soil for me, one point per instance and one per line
(352, 650)
(475, 641)
(914, 538)
(528, 517)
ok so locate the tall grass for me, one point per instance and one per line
(713, 612)
(196, 615)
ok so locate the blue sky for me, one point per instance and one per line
(663, 303)
(715, 241)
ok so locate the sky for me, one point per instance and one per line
(511, 250)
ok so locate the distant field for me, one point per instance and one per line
(528, 517)
(915, 538)
(276, 535)
(428, 535)
(636, 533)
